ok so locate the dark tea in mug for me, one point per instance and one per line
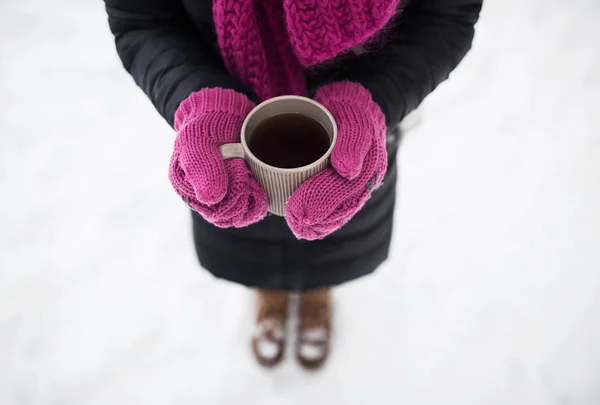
(289, 140)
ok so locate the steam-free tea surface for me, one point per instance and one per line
(289, 140)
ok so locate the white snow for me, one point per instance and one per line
(311, 345)
(315, 334)
(491, 295)
(270, 326)
(267, 349)
(310, 351)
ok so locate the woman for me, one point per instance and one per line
(204, 64)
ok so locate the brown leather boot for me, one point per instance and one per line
(268, 342)
(314, 328)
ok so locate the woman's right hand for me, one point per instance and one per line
(224, 192)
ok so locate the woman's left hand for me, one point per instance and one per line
(327, 201)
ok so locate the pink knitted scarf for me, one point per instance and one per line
(267, 43)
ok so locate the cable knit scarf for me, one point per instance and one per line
(267, 43)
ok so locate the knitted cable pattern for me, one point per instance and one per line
(266, 43)
(223, 192)
(327, 201)
(254, 44)
(321, 29)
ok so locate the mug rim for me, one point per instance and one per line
(309, 166)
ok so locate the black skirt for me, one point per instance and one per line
(268, 255)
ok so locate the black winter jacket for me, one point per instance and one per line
(170, 49)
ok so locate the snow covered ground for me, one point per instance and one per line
(492, 294)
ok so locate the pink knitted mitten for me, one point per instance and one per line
(325, 202)
(222, 191)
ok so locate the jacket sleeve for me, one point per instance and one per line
(168, 57)
(428, 42)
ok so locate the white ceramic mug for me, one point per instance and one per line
(280, 183)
